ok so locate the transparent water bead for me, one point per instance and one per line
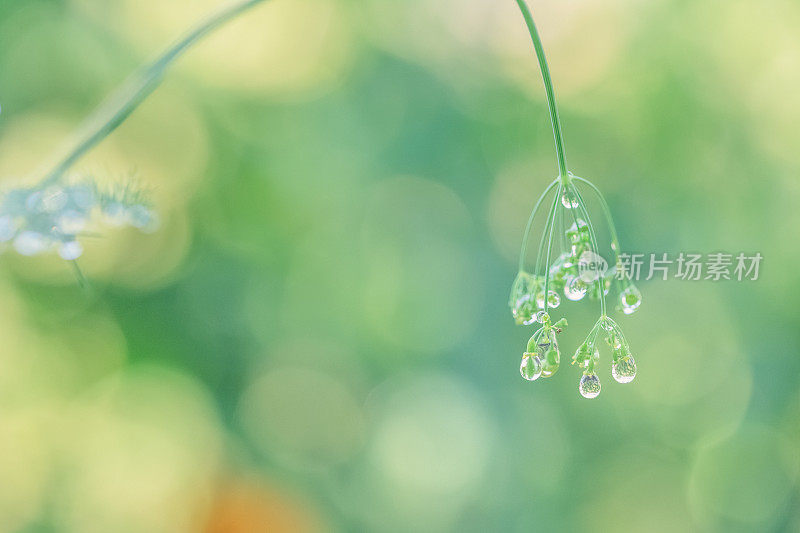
(551, 361)
(524, 310)
(575, 288)
(569, 199)
(614, 341)
(520, 287)
(33, 202)
(578, 232)
(531, 367)
(541, 317)
(31, 243)
(71, 222)
(589, 386)
(143, 218)
(7, 228)
(591, 266)
(54, 199)
(590, 358)
(553, 300)
(624, 369)
(582, 355)
(115, 214)
(605, 283)
(83, 197)
(630, 299)
(70, 250)
(560, 270)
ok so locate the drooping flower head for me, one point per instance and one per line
(569, 261)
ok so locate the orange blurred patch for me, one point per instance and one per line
(245, 507)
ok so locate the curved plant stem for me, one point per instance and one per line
(114, 112)
(595, 332)
(567, 188)
(524, 250)
(606, 211)
(550, 247)
(619, 333)
(615, 246)
(548, 87)
(545, 233)
(593, 238)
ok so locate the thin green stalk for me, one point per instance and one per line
(543, 239)
(567, 188)
(534, 340)
(615, 246)
(550, 247)
(114, 112)
(524, 250)
(83, 283)
(593, 238)
(548, 88)
(620, 334)
(595, 331)
(607, 212)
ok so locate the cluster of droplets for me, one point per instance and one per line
(542, 357)
(566, 276)
(587, 357)
(527, 299)
(576, 272)
(35, 220)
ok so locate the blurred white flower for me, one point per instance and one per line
(52, 217)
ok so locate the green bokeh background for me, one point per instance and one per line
(317, 339)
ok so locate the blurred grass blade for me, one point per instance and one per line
(121, 104)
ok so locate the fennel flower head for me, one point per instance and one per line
(54, 218)
(569, 261)
(55, 213)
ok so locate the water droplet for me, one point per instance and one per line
(553, 300)
(13, 202)
(143, 218)
(550, 354)
(70, 250)
(33, 202)
(115, 214)
(569, 199)
(541, 317)
(7, 228)
(31, 243)
(551, 362)
(606, 286)
(630, 299)
(591, 266)
(624, 369)
(575, 288)
(54, 199)
(578, 232)
(582, 355)
(524, 310)
(71, 222)
(531, 367)
(589, 386)
(520, 287)
(614, 341)
(82, 196)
